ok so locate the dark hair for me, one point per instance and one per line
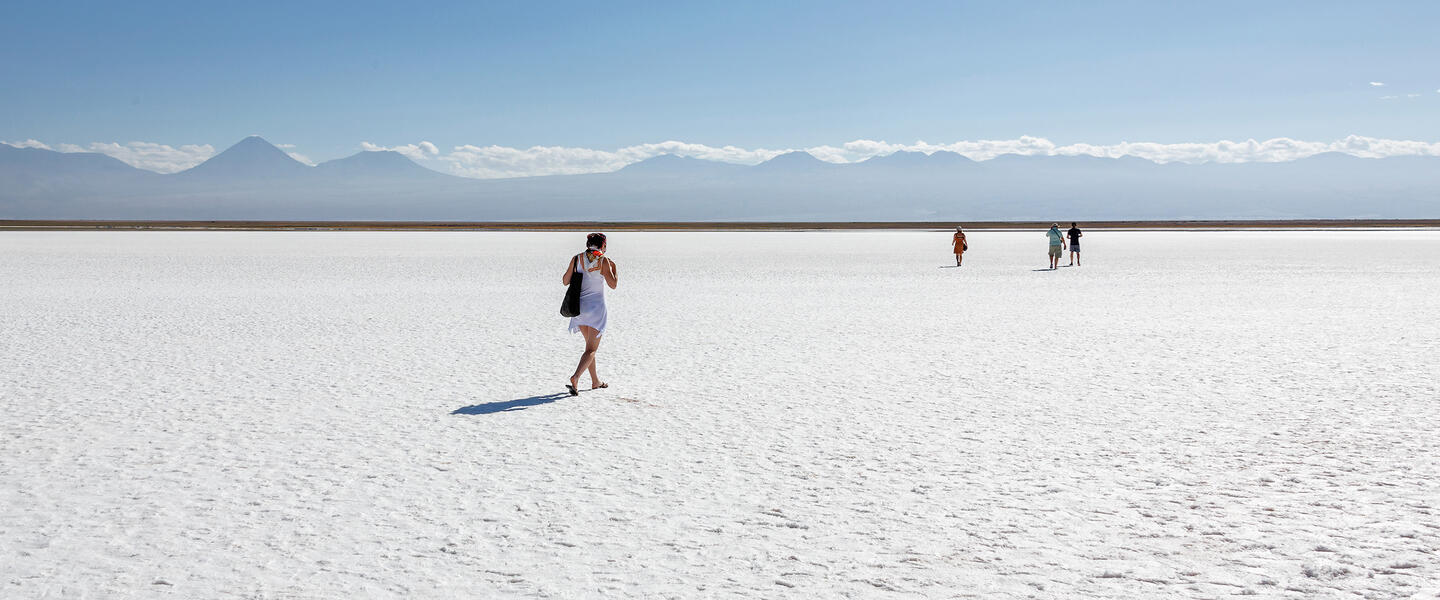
(1072, 223)
(595, 240)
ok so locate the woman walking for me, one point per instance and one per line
(960, 245)
(596, 272)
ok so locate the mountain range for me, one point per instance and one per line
(254, 180)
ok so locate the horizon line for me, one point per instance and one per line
(620, 225)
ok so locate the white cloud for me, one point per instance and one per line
(27, 144)
(859, 150)
(1272, 150)
(150, 156)
(1224, 151)
(289, 150)
(500, 161)
(1412, 95)
(1388, 97)
(1376, 84)
(300, 157)
(415, 152)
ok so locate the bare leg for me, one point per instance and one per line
(587, 360)
(595, 382)
(957, 259)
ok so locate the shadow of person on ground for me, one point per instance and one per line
(489, 408)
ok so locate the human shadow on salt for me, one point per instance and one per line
(490, 408)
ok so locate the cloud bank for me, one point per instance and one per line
(415, 152)
(144, 155)
(500, 161)
(493, 161)
(29, 144)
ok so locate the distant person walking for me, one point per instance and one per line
(597, 272)
(960, 245)
(1074, 234)
(1057, 245)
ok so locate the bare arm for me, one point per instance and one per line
(612, 277)
(565, 280)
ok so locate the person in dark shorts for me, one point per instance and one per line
(1074, 235)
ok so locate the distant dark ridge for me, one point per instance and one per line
(34, 225)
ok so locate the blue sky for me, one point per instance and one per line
(325, 77)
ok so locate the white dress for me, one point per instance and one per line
(592, 296)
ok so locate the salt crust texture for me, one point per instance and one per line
(803, 415)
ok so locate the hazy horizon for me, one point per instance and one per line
(540, 161)
(255, 180)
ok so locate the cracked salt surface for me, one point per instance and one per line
(818, 414)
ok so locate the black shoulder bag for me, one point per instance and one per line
(570, 307)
